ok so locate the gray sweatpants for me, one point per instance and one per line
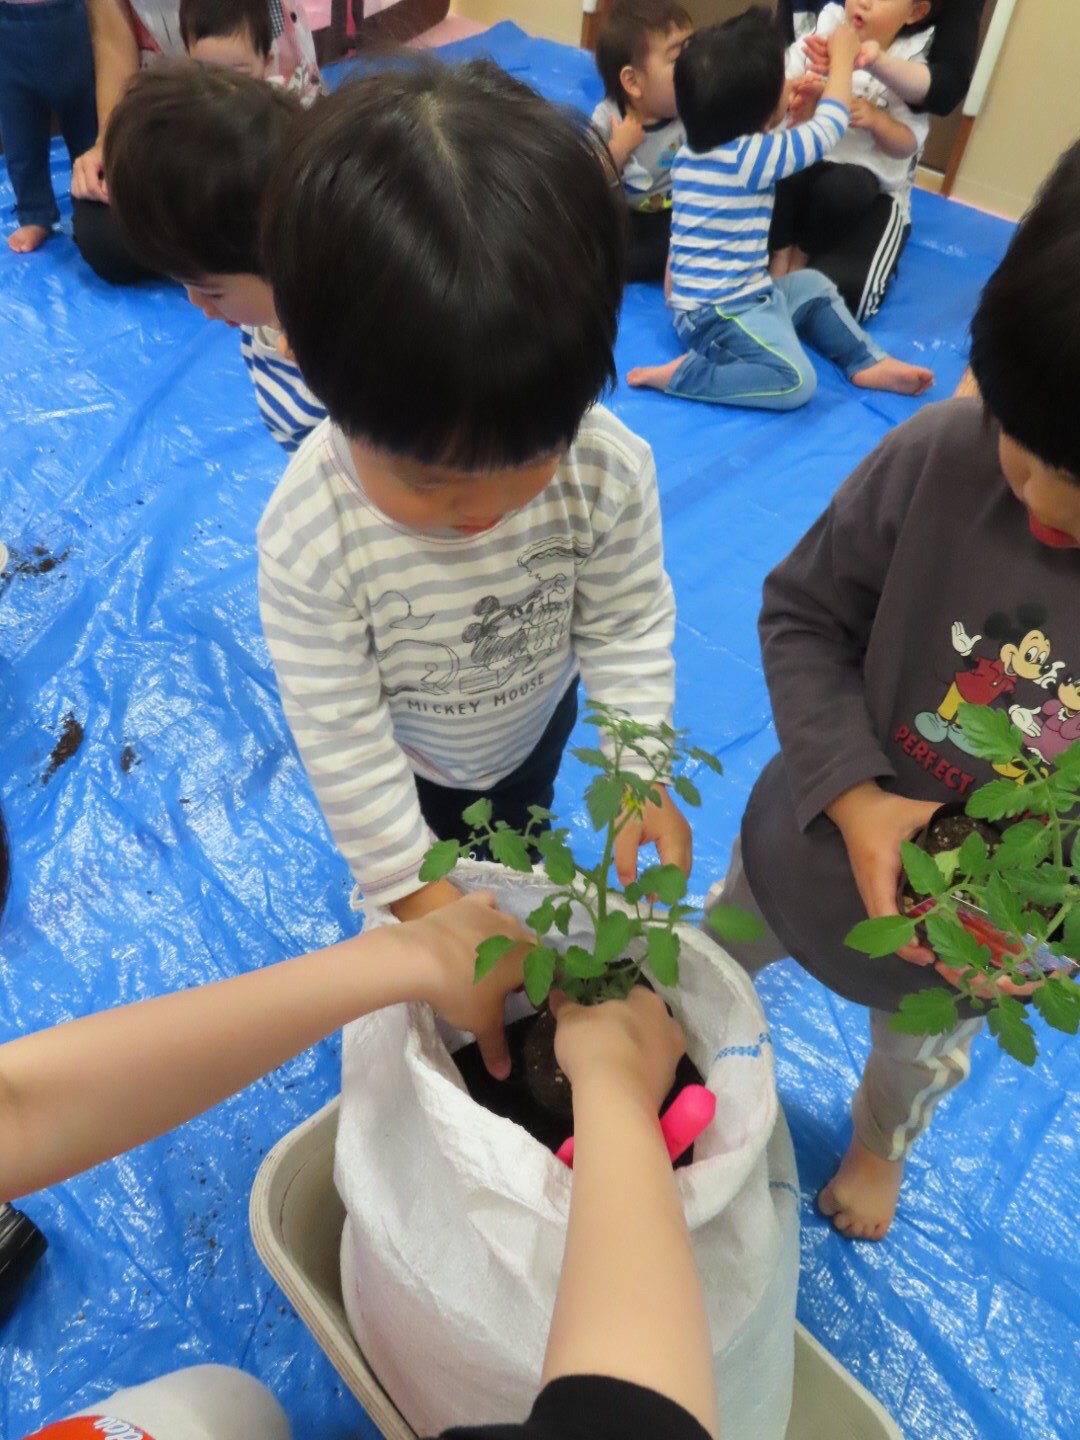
(905, 1075)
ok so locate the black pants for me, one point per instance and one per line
(100, 245)
(532, 783)
(852, 230)
(650, 237)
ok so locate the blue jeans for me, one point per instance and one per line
(46, 66)
(749, 353)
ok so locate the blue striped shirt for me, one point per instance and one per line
(287, 406)
(722, 203)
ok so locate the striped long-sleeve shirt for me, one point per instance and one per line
(722, 203)
(443, 655)
(288, 408)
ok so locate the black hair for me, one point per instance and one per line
(624, 38)
(1025, 337)
(729, 79)
(189, 152)
(446, 254)
(932, 16)
(203, 19)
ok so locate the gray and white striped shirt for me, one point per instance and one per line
(445, 654)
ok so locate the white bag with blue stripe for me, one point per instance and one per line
(456, 1218)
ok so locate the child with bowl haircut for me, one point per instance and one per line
(188, 155)
(468, 532)
(635, 55)
(948, 560)
(742, 330)
(235, 34)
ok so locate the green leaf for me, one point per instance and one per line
(687, 790)
(539, 814)
(543, 917)
(563, 914)
(1009, 1025)
(1026, 843)
(589, 756)
(1068, 762)
(706, 759)
(663, 955)
(973, 857)
(478, 813)
(1058, 1002)
(954, 944)
(990, 733)
(679, 912)
(581, 965)
(926, 1012)
(1047, 885)
(1003, 906)
(558, 860)
(604, 799)
(440, 860)
(511, 850)
(666, 881)
(488, 954)
(732, 923)
(998, 800)
(881, 936)
(925, 877)
(633, 892)
(539, 972)
(1070, 934)
(612, 936)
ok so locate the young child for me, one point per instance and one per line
(235, 34)
(46, 66)
(635, 55)
(741, 330)
(850, 214)
(188, 155)
(466, 534)
(967, 511)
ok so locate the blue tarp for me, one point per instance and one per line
(180, 843)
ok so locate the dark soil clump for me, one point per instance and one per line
(71, 737)
(39, 562)
(128, 758)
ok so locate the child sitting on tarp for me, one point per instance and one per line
(849, 215)
(188, 154)
(635, 55)
(947, 566)
(741, 329)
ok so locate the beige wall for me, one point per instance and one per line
(553, 19)
(1031, 111)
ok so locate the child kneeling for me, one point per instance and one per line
(947, 566)
(741, 329)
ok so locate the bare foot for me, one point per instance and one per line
(895, 375)
(656, 377)
(861, 1197)
(27, 238)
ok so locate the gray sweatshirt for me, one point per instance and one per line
(920, 586)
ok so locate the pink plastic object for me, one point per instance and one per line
(689, 1115)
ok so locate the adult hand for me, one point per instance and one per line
(663, 825)
(448, 938)
(873, 823)
(88, 176)
(633, 1041)
(816, 50)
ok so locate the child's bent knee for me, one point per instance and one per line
(802, 392)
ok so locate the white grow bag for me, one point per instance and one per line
(456, 1218)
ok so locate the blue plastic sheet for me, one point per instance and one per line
(180, 843)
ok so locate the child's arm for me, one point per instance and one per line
(772, 157)
(626, 135)
(116, 63)
(630, 1304)
(890, 136)
(79, 1093)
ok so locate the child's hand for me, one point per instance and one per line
(633, 1041)
(868, 56)
(804, 98)
(662, 825)
(873, 823)
(843, 47)
(626, 135)
(423, 901)
(864, 115)
(816, 50)
(88, 176)
(447, 940)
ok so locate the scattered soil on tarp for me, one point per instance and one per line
(71, 737)
(128, 758)
(39, 562)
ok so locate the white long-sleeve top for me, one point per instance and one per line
(444, 655)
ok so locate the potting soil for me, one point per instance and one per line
(164, 833)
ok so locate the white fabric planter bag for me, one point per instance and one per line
(456, 1218)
